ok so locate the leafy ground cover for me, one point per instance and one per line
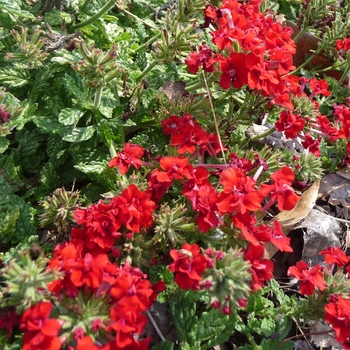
(156, 163)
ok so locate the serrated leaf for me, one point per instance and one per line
(215, 328)
(79, 134)
(185, 321)
(195, 346)
(4, 143)
(92, 168)
(283, 326)
(70, 116)
(14, 77)
(48, 178)
(164, 345)
(267, 326)
(16, 219)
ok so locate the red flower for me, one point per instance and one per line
(9, 320)
(239, 193)
(5, 116)
(203, 59)
(40, 331)
(290, 123)
(309, 279)
(337, 314)
(312, 145)
(281, 189)
(261, 269)
(87, 343)
(319, 87)
(130, 155)
(188, 265)
(334, 255)
(134, 209)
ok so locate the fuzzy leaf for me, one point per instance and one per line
(92, 167)
(4, 143)
(16, 219)
(80, 134)
(70, 116)
(214, 327)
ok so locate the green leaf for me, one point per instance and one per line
(49, 180)
(164, 345)
(4, 143)
(14, 77)
(195, 346)
(79, 134)
(185, 321)
(284, 325)
(215, 328)
(16, 219)
(268, 326)
(93, 167)
(70, 116)
(270, 344)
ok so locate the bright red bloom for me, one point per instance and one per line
(343, 44)
(239, 193)
(130, 155)
(189, 264)
(281, 190)
(40, 331)
(203, 59)
(261, 269)
(132, 289)
(319, 87)
(234, 71)
(87, 343)
(290, 123)
(337, 314)
(309, 279)
(334, 255)
(134, 209)
(175, 168)
(311, 144)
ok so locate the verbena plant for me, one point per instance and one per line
(128, 141)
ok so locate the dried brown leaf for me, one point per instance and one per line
(289, 218)
(174, 90)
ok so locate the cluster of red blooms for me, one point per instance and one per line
(337, 309)
(238, 199)
(343, 45)
(260, 50)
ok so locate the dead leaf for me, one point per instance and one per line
(289, 218)
(174, 90)
(330, 183)
(320, 231)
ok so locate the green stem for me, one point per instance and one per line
(304, 64)
(98, 97)
(121, 131)
(343, 77)
(147, 43)
(85, 4)
(97, 15)
(251, 341)
(298, 36)
(147, 70)
(137, 18)
(112, 151)
(264, 134)
(195, 87)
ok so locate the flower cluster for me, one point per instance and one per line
(260, 50)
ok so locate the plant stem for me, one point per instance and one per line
(264, 134)
(85, 4)
(97, 15)
(112, 151)
(147, 70)
(98, 97)
(147, 43)
(137, 18)
(344, 76)
(194, 87)
(214, 116)
(121, 131)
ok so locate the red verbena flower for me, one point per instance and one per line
(290, 123)
(189, 264)
(309, 279)
(40, 331)
(334, 255)
(337, 314)
(130, 155)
